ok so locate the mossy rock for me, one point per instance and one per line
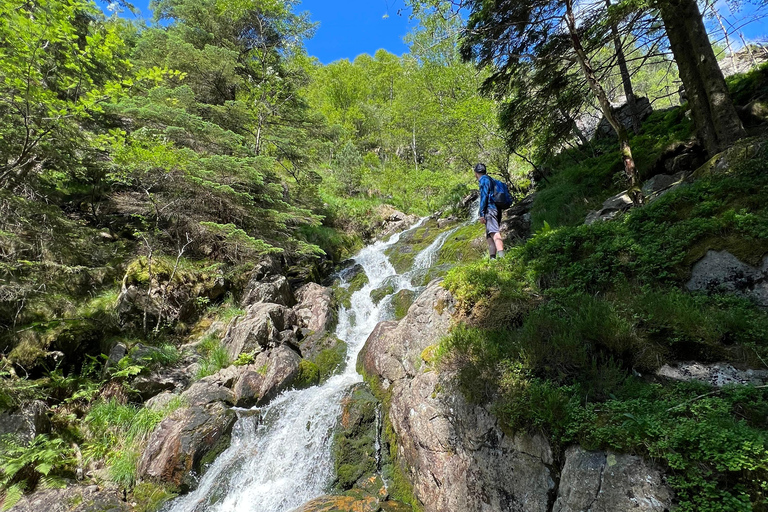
(354, 443)
(462, 246)
(325, 353)
(402, 301)
(387, 288)
(402, 254)
(331, 360)
(308, 376)
(356, 279)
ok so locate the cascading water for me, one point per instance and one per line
(280, 454)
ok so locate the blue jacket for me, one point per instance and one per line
(486, 195)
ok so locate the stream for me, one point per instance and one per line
(280, 454)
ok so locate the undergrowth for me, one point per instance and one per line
(563, 336)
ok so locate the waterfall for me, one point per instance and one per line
(280, 454)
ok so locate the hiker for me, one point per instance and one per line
(490, 215)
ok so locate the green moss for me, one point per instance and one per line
(354, 441)
(462, 246)
(331, 360)
(402, 254)
(402, 301)
(149, 496)
(309, 375)
(379, 293)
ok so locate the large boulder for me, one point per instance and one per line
(270, 374)
(721, 271)
(314, 309)
(26, 422)
(274, 289)
(259, 329)
(611, 208)
(607, 482)
(179, 443)
(455, 455)
(393, 222)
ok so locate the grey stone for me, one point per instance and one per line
(166, 379)
(314, 309)
(26, 422)
(660, 184)
(258, 330)
(273, 289)
(721, 271)
(161, 401)
(611, 208)
(454, 453)
(214, 388)
(117, 352)
(716, 374)
(608, 482)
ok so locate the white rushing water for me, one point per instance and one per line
(280, 455)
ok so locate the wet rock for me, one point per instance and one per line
(274, 289)
(75, 498)
(354, 443)
(393, 222)
(341, 504)
(716, 374)
(606, 482)
(721, 271)
(447, 222)
(401, 301)
(612, 207)
(180, 442)
(314, 309)
(386, 288)
(26, 422)
(258, 330)
(263, 380)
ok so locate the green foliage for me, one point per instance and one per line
(23, 466)
(214, 356)
(116, 433)
(244, 359)
(558, 330)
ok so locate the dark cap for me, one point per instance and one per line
(480, 168)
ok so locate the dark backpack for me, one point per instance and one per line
(500, 195)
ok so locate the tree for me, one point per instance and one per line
(717, 123)
(505, 34)
(58, 65)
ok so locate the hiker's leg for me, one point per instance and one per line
(491, 245)
(498, 242)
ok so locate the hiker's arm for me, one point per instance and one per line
(484, 193)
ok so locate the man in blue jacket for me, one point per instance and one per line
(489, 214)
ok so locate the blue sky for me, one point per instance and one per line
(347, 27)
(351, 27)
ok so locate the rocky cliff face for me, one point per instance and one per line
(455, 454)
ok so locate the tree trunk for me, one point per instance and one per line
(714, 115)
(626, 79)
(626, 152)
